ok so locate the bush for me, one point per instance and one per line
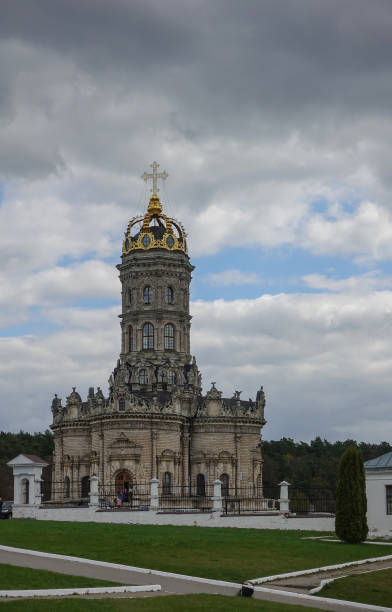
(351, 524)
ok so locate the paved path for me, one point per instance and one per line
(171, 584)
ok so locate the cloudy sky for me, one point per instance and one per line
(273, 120)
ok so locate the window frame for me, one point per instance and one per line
(143, 374)
(168, 338)
(200, 485)
(225, 480)
(169, 295)
(147, 295)
(167, 483)
(148, 336)
(171, 377)
(67, 487)
(388, 499)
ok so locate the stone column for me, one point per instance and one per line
(154, 494)
(94, 491)
(284, 497)
(217, 498)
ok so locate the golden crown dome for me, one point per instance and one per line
(154, 231)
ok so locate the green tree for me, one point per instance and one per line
(351, 524)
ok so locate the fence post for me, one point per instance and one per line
(94, 491)
(154, 494)
(217, 498)
(284, 497)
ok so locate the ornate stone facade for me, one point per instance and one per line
(155, 422)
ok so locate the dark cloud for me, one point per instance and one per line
(257, 109)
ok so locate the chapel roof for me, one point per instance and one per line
(379, 463)
(34, 458)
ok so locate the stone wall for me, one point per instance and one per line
(155, 518)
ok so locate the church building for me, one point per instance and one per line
(155, 422)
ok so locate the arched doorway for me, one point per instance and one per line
(25, 491)
(123, 481)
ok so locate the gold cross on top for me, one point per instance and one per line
(155, 175)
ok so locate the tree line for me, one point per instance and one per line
(313, 464)
(305, 465)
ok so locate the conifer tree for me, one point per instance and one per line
(351, 524)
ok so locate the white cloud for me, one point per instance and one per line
(364, 283)
(365, 232)
(90, 279)
(324, 361)
(232, 277)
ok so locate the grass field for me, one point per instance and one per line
(226, 554)
(12, 577)
(371, 588)
(171, 603)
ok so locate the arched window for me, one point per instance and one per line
(143, 377)
(25, 491)
(148, 336)
(147, 294)
(171, 377)
(85, 486)
(224, 478)
(129, 296)
(130, 338)
(169, 294)
(167, 484)
(200, 485)
(121, 404)
(67, 487)
(169, 337)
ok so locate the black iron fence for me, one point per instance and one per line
(185, 498)
(137, 497)
(66, 492)
(312, 500)
(250, 499)
(246, 499)
(249, 505)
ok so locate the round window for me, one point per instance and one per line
(146, 241)
(170, 242)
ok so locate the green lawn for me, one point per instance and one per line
(221, 553)
(13, 577)
(371, 588)
(171, 603)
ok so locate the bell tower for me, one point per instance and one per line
(155, 423)
(155, 275)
